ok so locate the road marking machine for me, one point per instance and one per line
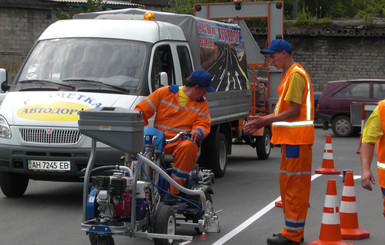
(132, 199)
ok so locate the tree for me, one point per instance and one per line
(92, 6)
(367, 9)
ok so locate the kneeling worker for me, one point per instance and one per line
(181, 108)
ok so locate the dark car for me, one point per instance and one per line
(334, 103)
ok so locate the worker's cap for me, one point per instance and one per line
(277, 45)
(203, 78)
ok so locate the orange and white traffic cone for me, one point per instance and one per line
(278, 203)
(330, 233)
(327, 161)
(348, 212)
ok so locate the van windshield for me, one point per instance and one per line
(80, 64)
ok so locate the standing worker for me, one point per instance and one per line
(181, 108)
(373, 133)
(293, 129)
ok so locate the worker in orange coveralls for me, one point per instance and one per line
(181, 108)
(292, 128)
(374, 133)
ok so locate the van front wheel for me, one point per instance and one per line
(12, 184)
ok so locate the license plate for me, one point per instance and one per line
(49, 165)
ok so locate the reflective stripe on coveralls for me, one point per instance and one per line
(299, 130)
(381, 153)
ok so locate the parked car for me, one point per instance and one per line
(334, 103)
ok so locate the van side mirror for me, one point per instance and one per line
(3, 75)
(163, 78)
(3, 80)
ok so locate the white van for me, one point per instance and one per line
(111, 59)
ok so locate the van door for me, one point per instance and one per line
(172, 58)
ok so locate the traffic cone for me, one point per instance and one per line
(330, 233)
(328, 162)
(348, 212)
(278, 203)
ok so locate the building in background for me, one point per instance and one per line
(22, 22)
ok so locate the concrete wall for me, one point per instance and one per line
(19, 30)
(326, 57)
(329, 58)
(337, 58)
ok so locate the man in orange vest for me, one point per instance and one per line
(181, 108)
(374, 132)
(293, 128)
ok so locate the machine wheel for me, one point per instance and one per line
(13, 185)
(263, 145)
(341, 126)
(96, 239)
(217, 157)
(164, 223)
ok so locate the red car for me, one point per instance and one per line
(334, 103)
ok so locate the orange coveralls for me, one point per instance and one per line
(296, 136)
(172, 118)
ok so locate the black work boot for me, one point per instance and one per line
(276, 234)
(279, 239)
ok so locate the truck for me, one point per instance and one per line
(115, 59)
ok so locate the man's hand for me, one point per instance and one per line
(256, 123)
(366, 179)
(195, 136)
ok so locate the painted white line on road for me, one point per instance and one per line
(253, 218)
(354, 176)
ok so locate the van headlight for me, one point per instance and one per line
(5, 130)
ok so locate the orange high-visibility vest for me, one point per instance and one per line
(381, 147)
(172, 118)
(299, 130)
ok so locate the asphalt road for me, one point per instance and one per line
(50, 213)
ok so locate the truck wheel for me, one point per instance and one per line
(341, 126)
(263, 145)
(13, 185)
(164, 223)
(217, 157)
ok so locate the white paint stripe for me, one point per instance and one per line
(348, 191)
(331, 201)
(252, 219)
(328, 146)
(348, 207)
(328, 156)
(354, 176)
(330, 219)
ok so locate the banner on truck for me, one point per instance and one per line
(222, 54)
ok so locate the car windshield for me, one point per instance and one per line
(73, 62)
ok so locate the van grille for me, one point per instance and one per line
(50, 136)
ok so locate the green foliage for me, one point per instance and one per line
(187, 6)
(181, 6)
(306, 19)
(68, 13)
(368, 9)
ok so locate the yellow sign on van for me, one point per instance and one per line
(54, 111)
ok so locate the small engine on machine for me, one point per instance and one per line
(113, 195)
